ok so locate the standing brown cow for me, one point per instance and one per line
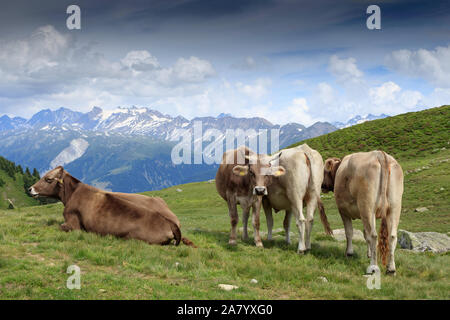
(119, 214)
(368, 185)
(242, 178)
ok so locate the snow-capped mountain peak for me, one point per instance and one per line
(359, 119)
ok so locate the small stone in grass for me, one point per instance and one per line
(253, 281)
(227, 287)
(102, 290)
(323, 279)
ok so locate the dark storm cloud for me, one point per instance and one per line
(247, 20)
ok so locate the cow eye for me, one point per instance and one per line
(48, 180)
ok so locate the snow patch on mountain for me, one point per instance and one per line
(75, 150)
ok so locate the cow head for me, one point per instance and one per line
(50, 185)
(261, 169)
(329, 174)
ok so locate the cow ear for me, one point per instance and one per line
(278, 171)
(240, 170)
(329, 164)
(252, 159)
(335, 167)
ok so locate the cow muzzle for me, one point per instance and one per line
(260, 191)
(33, 192)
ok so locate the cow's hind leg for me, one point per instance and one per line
(300, 221)
(371, 236)
(392, 224)
(287, 226)
(311, 205)
(348, 226)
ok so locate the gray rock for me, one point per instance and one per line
(339, 235)
(254, 281)
(421, 209)
(323, 279)
(423, 241)
(179, 190)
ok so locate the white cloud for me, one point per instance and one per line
(259, 89)
(191, 70)
(251, 64)
(386, 93)
(48, 68)
(431, 65)
(345, 70)
(140, 60)
(44, 48)
(325, 93)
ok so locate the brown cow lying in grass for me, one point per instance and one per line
(119, 214)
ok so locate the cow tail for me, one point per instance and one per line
(323, 217)
(383, 239)
(176, 232)
(188, 242)
(177, 235)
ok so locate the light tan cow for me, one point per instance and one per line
(300, 184)
(368, 185)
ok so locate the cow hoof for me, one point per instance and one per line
(301, 252)
(349, 254)
(259, 245)
(391, 272)
(64, 227)
(232, 242)
(372, 269)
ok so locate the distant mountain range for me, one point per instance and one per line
(358, 119)
(126, 149)
(152, 123)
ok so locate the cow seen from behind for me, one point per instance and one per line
(367, 186)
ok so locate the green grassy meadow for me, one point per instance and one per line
(35, 254)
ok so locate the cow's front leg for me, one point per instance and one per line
(255, 219)
(234, 219)
(72, 222)
(245, 215)
(348, 226)
(269, 218)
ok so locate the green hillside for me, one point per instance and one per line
(406, 136)
(35, 254)
(13, 181)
